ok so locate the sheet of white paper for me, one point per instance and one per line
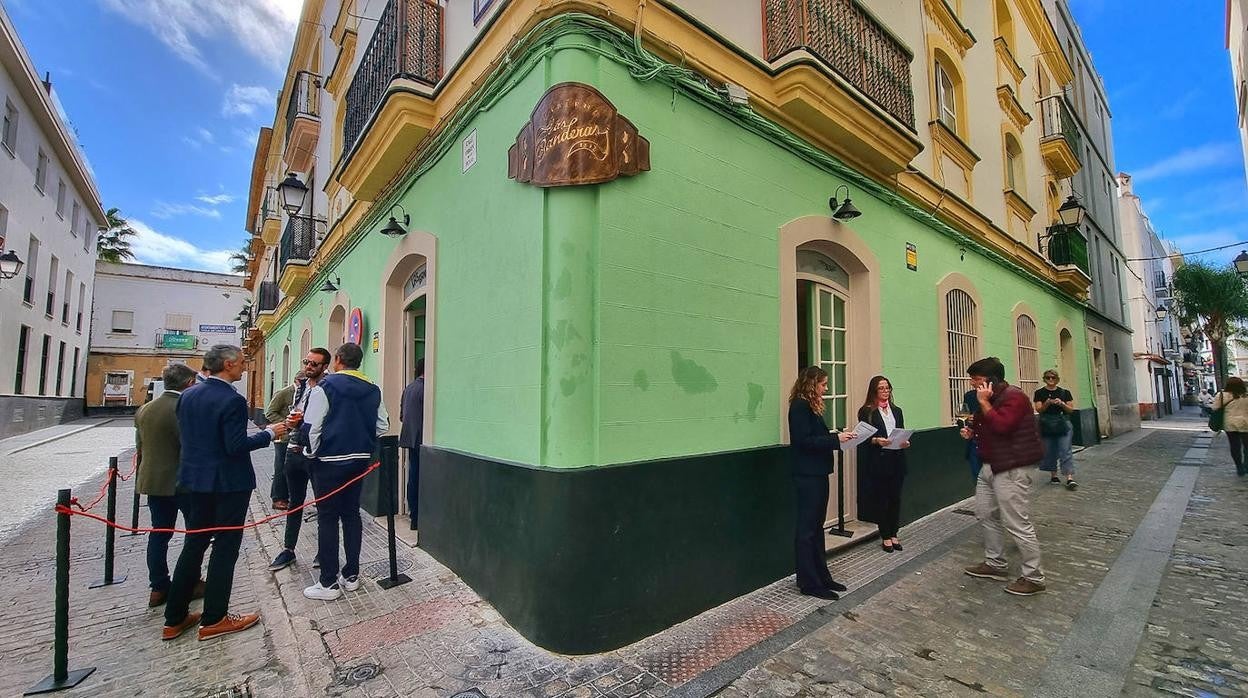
(861, 433)
(897, 436)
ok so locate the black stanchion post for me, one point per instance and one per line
(110, 533)
(390, 475)
(134, 509)
(61, 677)
(839, 529)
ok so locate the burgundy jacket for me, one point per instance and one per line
(1007, 435)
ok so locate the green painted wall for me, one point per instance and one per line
(638, 319)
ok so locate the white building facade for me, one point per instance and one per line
(145, 318)
(1236, 30)
(1157, 344)
(50, 214)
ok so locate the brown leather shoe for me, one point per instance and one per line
(230, 624)
(1024, 587)
(281, 504)
(986, 571)
(156, 598)
(173, 632)
(198, 591)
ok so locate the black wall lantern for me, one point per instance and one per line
(1071, 212)
(331, 286)
(10, 265)
(293, 193)
(843, 210)
(394, 228)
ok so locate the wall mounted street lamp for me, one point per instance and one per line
(331, 286)
(1161, 313)
(1071, 212)
(394, 228)
(843, 210)
(1241, 262)
(10, 265)
(293, 193)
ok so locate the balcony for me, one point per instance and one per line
(267, 297)
(295, 253)
(303, 121)
(850, 41)
(382, 124)
(1060, 143)
(1068, 251)
(269, 217)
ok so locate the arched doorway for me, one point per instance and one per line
(337, 327)
(829, 315)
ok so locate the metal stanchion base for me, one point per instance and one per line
(102, 583)
(391, 582)
(131, 535)
(50, 684)
(840, 532)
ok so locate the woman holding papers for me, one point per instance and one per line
(882, 462)
(812, 445)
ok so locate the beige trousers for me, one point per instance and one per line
(1003, 505)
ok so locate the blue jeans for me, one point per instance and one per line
(164, 511)
(296, 478)
(343, 508)
(278, 490)
(1057, 450)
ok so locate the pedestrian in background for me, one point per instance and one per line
(965, 418)
(343, 420)
(216, 477)
(1234, 419)
(1055, 403)
(277, 410)
(157, 448)
(298, 466)
(811, 447)
(1009, 445)
(412, 417)
(883, 469)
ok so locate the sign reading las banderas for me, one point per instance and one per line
(575, 136)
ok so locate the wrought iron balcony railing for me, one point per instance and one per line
(266, 297)
(407, 43)
(1067, 246)
(1058, 122)
(298, 241)
(851, 42)
(304, 100)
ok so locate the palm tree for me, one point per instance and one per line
(113, 244)
(241, 259)
(1217, 300)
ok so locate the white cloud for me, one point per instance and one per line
(242, 100)
(165, 210)
(263, 28)
(201, 137)
(1204, 157)
(216, 199)
(153, 247)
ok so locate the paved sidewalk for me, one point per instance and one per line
(912, 624)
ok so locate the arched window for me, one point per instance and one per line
(961, 343)
(286, 373)
(1028, 354)
(1005, 24)
(1014, 177)
(946, 97)
(305, 342)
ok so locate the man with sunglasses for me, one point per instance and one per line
(298, 465)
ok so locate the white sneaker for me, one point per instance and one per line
(320, 593)
(349, 583)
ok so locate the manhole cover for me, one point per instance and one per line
(470, 693)
(358, 674)
(381, 568)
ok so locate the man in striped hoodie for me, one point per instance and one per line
(342, 421)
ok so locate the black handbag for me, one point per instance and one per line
(1053, 424)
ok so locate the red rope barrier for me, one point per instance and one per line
(67, 510)
(134, 467)
(103, 492)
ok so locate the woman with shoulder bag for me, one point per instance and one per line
(1234, 419)
(1055, 404)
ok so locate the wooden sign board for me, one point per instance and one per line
(576, 136)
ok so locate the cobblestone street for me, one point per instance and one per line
(1145, 562)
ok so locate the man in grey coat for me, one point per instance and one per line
(412, 415)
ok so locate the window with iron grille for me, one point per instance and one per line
(23, 347)
(1028, 354)
(60, 369)
(961, 343)
(43, 364)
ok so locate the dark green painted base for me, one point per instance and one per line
(589, 560)
(1086, 430)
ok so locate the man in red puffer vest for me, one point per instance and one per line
(1009, 445)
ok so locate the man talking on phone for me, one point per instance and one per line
(1009, 445)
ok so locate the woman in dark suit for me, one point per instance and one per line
(811, 447)
(882, 470)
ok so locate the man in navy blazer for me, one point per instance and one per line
(215, 480)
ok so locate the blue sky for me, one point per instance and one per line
(1168, 76)
(166, 97)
